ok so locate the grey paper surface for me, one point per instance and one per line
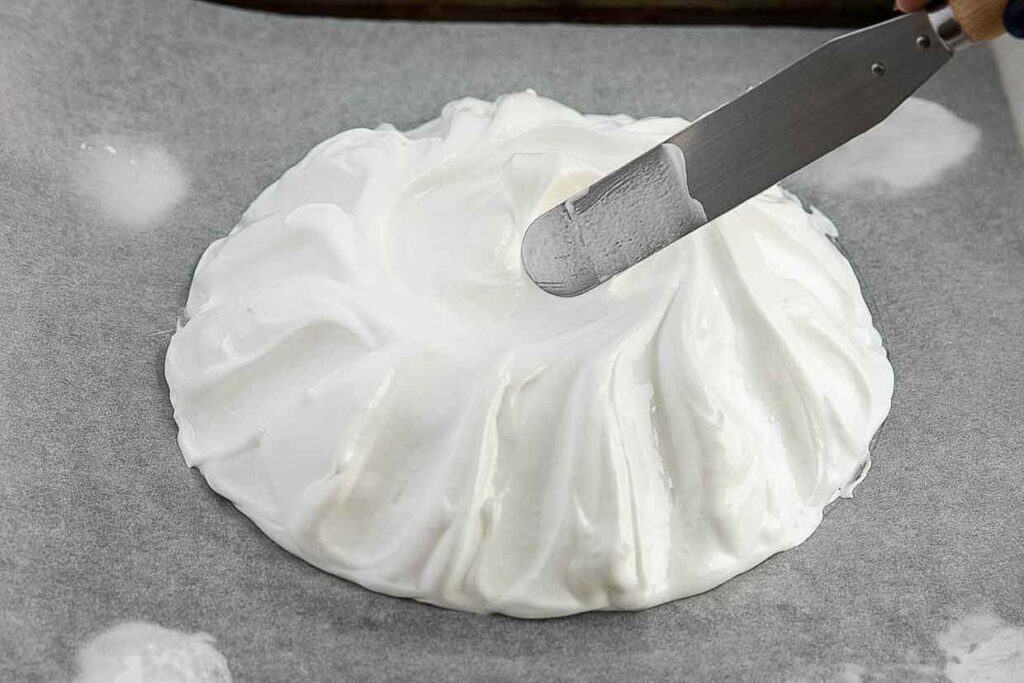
(101, 521)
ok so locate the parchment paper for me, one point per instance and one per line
(101, 521)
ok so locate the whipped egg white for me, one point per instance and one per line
(367, 372)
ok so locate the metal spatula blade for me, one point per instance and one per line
(732, 153)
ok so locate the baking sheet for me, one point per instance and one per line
(101, 521)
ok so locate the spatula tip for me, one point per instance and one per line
(554, 256)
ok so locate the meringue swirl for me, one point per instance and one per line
(367, 372)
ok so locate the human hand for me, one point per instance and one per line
(1013, 17)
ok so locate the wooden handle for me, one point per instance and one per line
(980, 19)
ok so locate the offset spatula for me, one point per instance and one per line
(736, 151)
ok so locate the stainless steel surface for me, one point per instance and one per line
(820, 102)
(570, 246)
(948, 28)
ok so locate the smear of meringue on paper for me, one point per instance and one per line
(140, 652)
(915, 147)
(131, 184)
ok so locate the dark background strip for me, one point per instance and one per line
(791, 12)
